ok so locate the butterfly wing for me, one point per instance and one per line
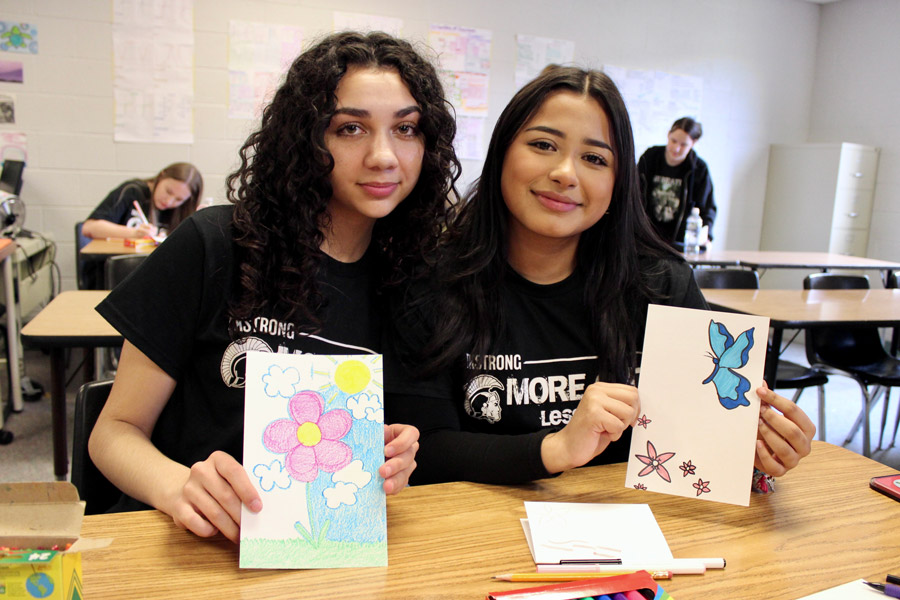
(731, 388)
(719, 341)
(730, 354)
(737, 354)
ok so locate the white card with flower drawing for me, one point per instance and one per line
(696, 431)
(313, 443)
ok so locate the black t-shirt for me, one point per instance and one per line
(174, 309)
(118, 206)
(667, 196)
(485, 421)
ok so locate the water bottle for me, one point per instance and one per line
(692, 232)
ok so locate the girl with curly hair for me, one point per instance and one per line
(521, 351)
(339, 195)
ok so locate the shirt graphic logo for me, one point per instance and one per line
(233, 366)
(483, 398)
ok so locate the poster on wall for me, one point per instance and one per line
(345, 21)
(533, 53)
(655, 99)
(11, 71)
(259, 54)
(7, 109)
(153, 74)
(13, 145)
(18, 37)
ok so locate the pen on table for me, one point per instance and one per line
(893, 579)
(678, 566)
(572, 576)
(888, 589)
(140, 211)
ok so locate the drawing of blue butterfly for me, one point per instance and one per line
(730, 354)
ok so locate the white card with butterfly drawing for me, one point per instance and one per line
(696, 430)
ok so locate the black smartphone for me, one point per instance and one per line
(889, 485)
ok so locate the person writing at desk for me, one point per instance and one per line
(545, 274)
(674, 180)
(340, 192)
(163, 202)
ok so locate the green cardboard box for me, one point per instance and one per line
(39, 523)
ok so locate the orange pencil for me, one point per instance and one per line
(572, 576)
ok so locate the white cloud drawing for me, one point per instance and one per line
(272, 475)
(353, 473)
(341, 493)
(280, 383)
(365, 406)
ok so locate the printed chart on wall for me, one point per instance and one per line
(696, 432)
(313, 443)
(655, 99)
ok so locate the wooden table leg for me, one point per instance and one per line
(58, 408)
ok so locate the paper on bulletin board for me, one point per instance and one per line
(313, 443)
(533, 53)
(465, 60)
(696, 432)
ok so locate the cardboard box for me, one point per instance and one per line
(39, 523)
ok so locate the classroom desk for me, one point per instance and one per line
(776, 259)
(796, 309)
(822, 527)
(69, 321)
(103, 248)
(7, 249)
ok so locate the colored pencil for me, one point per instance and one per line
(572, 576)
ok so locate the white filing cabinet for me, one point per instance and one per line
(819, 198)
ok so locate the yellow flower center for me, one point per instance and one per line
(309, 434)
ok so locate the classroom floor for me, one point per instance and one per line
(30, 456)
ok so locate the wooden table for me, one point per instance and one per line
(773, 259)
(795, 309)
(822, 527)
(69, 321)
(103, 248)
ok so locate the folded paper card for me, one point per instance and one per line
(572, 532)
(313, 443)
(696, 431)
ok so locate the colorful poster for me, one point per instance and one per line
(13, 145)
(533, 53)
(465, 60)
(313, 443)
(345, 21)
(696, 431)
(18, 37)
(11, 71)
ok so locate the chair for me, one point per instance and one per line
(853, 351)
(95, 489)
(85, 278)
(789, 375)
(119, 267)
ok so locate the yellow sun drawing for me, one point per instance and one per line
(352, 376)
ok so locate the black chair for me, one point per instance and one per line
(95, 489)
(853, 351)
(119, 267)
(789, 375)
(82, 276)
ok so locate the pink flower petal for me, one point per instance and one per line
(335, 424)
(332, 456)
(651, 449)
(301, 463)
(644, 459)
(664, 457)
(646, 470)
(280, 436)
(664, 473)
(306, 407)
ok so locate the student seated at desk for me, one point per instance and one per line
(545, 274)
(340, 192)
(165, 201)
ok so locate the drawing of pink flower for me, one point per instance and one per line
(687, 468)
(310, 437)
(655, 462)
(701, 486)
(640, 486)
(643, 421)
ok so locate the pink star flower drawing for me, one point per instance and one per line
(640, 486)
(655, 462)
(687, 468)
(643, 421)
(310, 438)
(701, 486)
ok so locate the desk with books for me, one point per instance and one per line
(822, 527)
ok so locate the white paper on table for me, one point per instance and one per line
(686, 442)
(849, 591)
(571, 531)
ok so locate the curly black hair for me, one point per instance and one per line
(281, 190)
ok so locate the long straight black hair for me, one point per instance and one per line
(465, 300)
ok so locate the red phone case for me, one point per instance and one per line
(889, 485)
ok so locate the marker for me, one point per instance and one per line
(572, 576)
(141, 214)
(893, 579)
(888, 589)
(677, 566)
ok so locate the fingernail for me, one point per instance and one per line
(256, 505)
